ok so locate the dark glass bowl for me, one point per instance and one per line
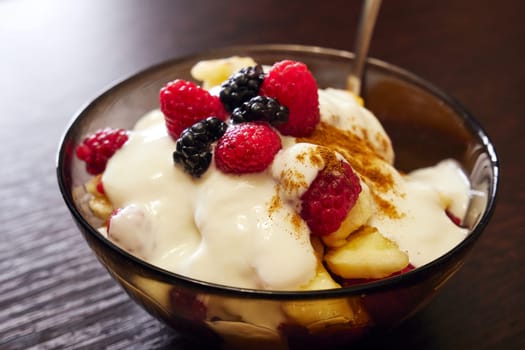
(425, 125)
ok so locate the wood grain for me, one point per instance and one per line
(55, 55)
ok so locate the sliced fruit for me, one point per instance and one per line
(214, 72)
(322, 280)
(94, 186)
(318, 246)
(367, 254)
(99, 204)
(155, 291)
(330, 311)
(100, 207)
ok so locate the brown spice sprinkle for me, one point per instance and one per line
(275, 203)
(386, 207)
(294, 217)
(296, 221)
(361, 156)
(328, 159)
(301, 157)
(382, 141)
(292, 181)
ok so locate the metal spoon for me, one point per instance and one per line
(364, 34)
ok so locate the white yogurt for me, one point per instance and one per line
(422, 228)
(216, 228)
(228, 229)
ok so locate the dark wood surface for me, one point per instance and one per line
(56, 55)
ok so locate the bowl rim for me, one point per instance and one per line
(214, 288)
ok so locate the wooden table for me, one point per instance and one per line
(55, 55)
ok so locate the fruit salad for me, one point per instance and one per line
(256, 178)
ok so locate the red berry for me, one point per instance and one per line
(329, 198)
(294, 86)
(185, 103)
(97, 148)
(247, 148)
(100, 187)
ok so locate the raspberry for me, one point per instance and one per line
(261, 108)
(192, 149)
(97, 148)
(241, 87)
(184, 103)
(247, 148)
(294, 86)
(329, 198)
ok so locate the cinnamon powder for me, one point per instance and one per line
(361, 156)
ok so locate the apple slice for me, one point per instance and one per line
(366, 254)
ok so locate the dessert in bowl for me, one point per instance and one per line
(231, 246)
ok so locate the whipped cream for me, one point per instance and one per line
(227, 229)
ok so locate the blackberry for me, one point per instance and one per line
(192, 149)
(241, 86)
(261, 108)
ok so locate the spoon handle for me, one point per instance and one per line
(364, 34)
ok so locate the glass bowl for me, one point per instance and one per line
(425, 126)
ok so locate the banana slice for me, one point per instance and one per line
(366, 254)
(214, 72)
